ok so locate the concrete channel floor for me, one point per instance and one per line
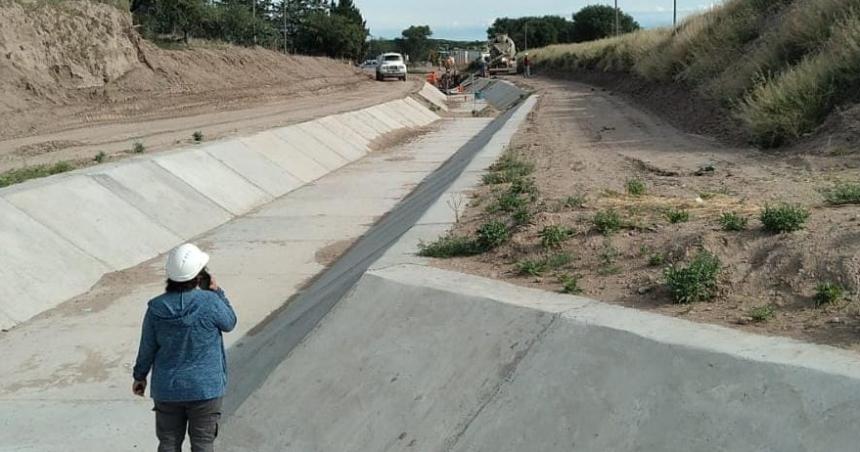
(65, 375)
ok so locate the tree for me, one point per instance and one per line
(416, 42)
(331, 35)
(598, 22)
(542, 31)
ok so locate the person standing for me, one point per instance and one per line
(181, 343)
(527, 70)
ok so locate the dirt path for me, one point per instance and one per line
(588, 143)
(81, 132)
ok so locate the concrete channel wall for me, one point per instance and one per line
(442, 361)
(59, 235)
(501, 94)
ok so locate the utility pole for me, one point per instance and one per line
(617, 28)
(254, 16)
(527, 36)
(675, 15)
(284, 13)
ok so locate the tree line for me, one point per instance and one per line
(589, 24)
(311, 27)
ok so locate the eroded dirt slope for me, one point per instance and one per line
(587, 143)
(76, 79)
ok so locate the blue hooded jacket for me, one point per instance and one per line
(181, 343)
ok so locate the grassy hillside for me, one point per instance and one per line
(780, 66)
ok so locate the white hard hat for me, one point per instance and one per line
(185, 263)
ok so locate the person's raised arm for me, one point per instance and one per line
(225, 317)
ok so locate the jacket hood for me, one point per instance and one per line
(177, 307)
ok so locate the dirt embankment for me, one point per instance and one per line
(586, 144)
(68, 68)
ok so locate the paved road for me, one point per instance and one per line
(253, 358)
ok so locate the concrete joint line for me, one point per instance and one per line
(510, 371)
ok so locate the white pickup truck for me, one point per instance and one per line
(390, 65)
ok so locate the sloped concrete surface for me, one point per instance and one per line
(441, 361)
(64, 376)
(127, 212)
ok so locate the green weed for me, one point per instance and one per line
(762, 313)
(18, 175)
(731, 221)
(553, 236)
(636, 187)
(827, 293)
(493, 234)
(607, 221)
(570, 284)
(450, 246)
(843, 193)
(677, 215)
(695, 282)
(197, 136)
(783, 218)
(138, 147)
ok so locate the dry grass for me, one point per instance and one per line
(781, 65)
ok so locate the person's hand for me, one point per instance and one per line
(213, 286)
(139, 388)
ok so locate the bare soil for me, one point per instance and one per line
(76, 80)
(586, 141)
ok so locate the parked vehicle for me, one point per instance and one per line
(391, 65)
(369, 64)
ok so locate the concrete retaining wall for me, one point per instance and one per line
(501, 94)
(59, 235)
(449, 362)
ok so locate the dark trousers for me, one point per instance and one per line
(200, 418)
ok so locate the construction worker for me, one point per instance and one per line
(181, 343)
(527, 71)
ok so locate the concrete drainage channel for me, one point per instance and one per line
(65, 368)
(115, 216)
(417, 358)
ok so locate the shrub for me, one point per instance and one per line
(695, 282)
(508, 169)
(827, 293)
(508, 202)
(19, 175)
(570, 284)
(197, 136)
(607, 260)
(524, 186)
(552, 237)
(762, 313)
(522, 216)
(137, 147)
(100, 157)
(493, 234)
(449, 246)
(635, 187)
(731, 221)
(677, 215)
(843, 194)
(783, 218)
(607, 221)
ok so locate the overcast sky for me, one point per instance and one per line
(469, 19)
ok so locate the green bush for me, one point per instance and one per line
(636, 187)
(731, 221)
(570, 284)
(552, 237)
(783, 218)
(493, 234)
(197, 136)
(762, 313)
(508, 169)
(16, 176)
(843, 194)
(524, 186)
(695, 282)
(100, 157)
(450, 246)
(828, 292)
(607, 221)
(522, 216)
(677, 215)
(508, 202)
(137, 147)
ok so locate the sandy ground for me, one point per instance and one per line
(589, 142)
(172, 122)
(76, 79)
